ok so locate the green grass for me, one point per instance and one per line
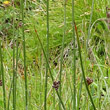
(30, 85)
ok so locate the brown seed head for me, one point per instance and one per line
(56, 84)
(89, 80)
(0, 82)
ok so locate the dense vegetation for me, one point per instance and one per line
(54, 55)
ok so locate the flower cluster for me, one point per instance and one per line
(0, 82)
(89, 80)
(56, 85)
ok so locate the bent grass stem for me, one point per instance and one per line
(50, 70)
(79, 49)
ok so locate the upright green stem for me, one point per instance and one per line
(3, 80)
(74, 60)
(14, 83)
(17, 56)
(61, 59)
(49, 69)
(24, 53)
(45, 100)
(10, 90)
(79, 49)
(53, 99)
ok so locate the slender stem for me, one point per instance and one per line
(17, 56)
(3, 80)
(24, 53)
(49, 69)
(45, 100)
(61, 59)
(74, 60)
(53, 99)
(79, 49)
(8, 105)
(14, 92)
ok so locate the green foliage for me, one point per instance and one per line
(96, 59)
